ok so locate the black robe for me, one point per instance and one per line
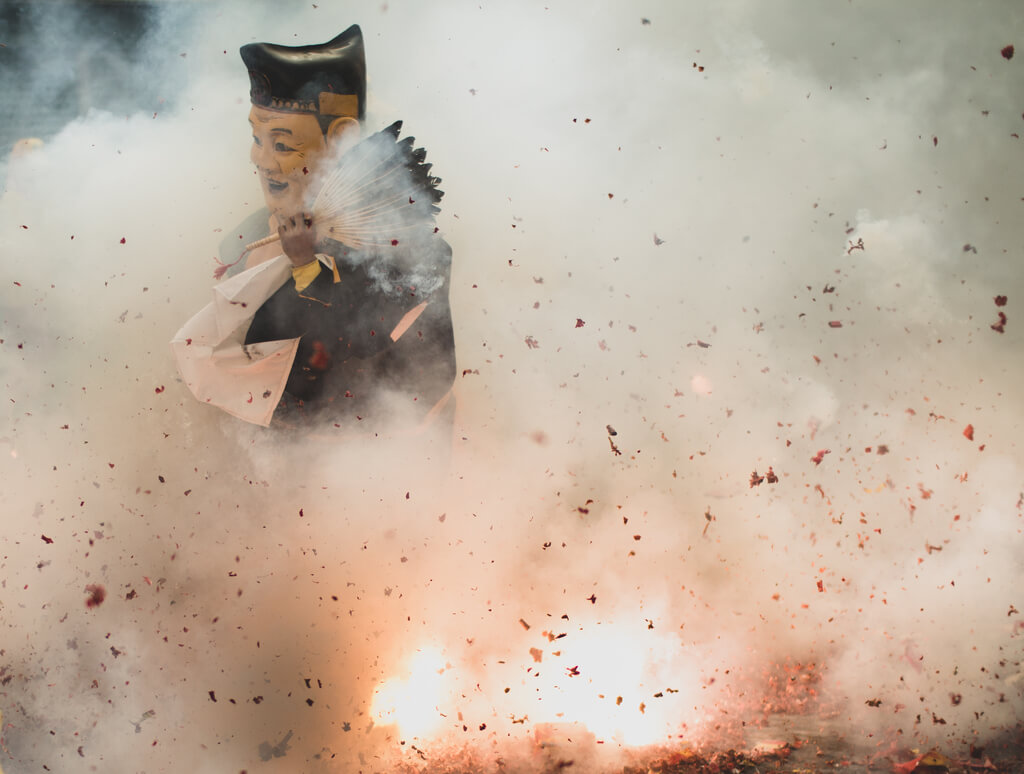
(346, 360)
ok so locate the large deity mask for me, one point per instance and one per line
(307, 102)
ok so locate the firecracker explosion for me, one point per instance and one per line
(722, 470)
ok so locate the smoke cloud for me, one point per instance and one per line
(735, 291)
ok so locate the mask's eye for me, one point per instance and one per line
(256, 141)
(280, 147)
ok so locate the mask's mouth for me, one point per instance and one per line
(274, 186)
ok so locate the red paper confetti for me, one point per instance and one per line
(969, 432)
(817, 458)
(122, 240)
(96, 595)
(1007, 52)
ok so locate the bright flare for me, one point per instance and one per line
(412, 703)
(610, 666)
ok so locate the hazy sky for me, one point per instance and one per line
(693, 241)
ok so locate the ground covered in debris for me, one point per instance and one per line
(797, 756)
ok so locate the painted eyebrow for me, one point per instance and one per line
(274, 130)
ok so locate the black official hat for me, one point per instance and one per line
(328, 79)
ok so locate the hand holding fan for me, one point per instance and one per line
(377, 190)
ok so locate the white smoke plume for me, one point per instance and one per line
(691, 242)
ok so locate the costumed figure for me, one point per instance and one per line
(346, 324)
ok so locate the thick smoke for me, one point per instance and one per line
(691, 243)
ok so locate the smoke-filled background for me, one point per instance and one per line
(735, 290)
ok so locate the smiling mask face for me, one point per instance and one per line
(307, 102)
(286, 149)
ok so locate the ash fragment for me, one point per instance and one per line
(279, 750)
